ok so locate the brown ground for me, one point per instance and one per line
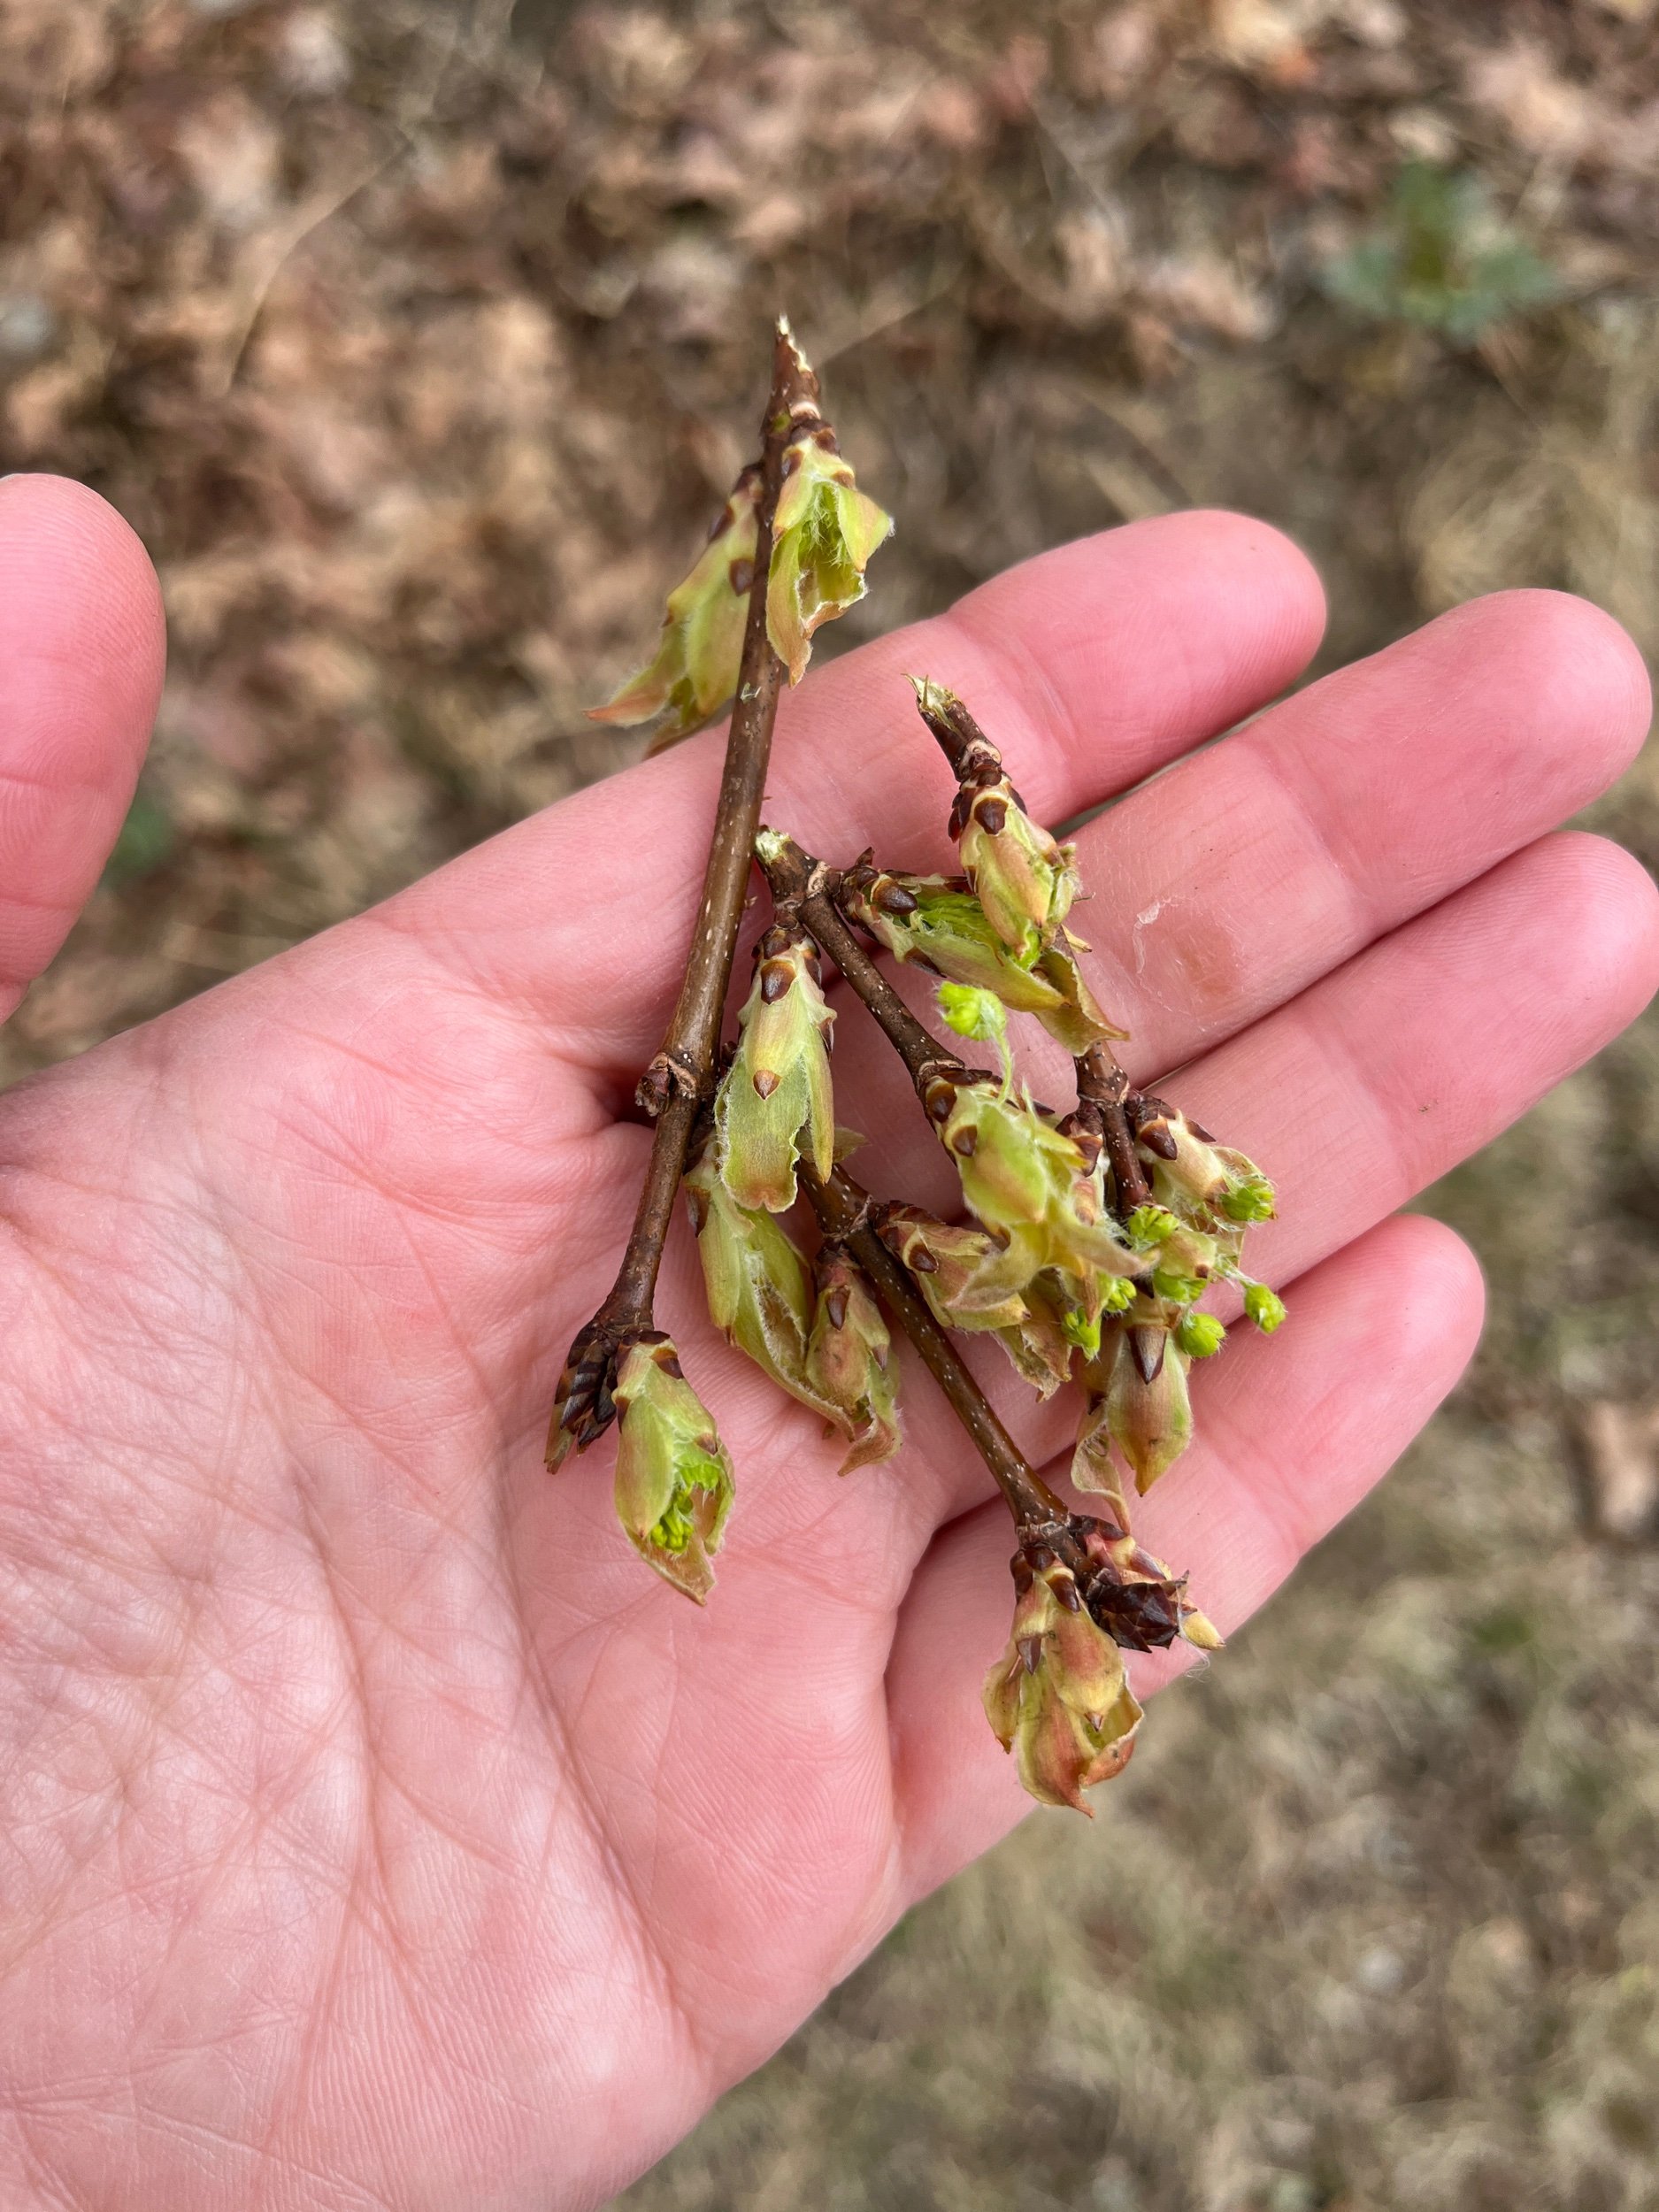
(419, 342)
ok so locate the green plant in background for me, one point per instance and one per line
(1441, 260)
(146, 840)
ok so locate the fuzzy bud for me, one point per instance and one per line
(673, 1475)
(1200, 1335)
(1264, 1307)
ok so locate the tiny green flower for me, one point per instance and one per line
(1264, 1307)
(1082, 1329)
(1200, 1335)
(776, 1099)
(673, 1482)
(1148, 1225)
(1251, 1199)
(972, 1012)
(1116, 1292)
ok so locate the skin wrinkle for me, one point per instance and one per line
(650, 1956)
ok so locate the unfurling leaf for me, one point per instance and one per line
(694, 671)
(824, 533)
(758, 1290)
(776, 1102)
(673, 1477)
(970, 1280)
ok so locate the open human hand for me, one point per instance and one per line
(374, 1831)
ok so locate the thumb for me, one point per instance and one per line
(81, 664)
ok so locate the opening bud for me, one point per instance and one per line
(823, 534)
(970, 1279)
(673, 1475)
(757, 1282)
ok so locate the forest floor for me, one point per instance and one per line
(419, 342)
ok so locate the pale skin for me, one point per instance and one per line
(375, 1830)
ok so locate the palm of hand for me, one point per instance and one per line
(376, 1830)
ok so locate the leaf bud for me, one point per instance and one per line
(673, 1475)
(776, 1100)
(1059, 1697)
(694, 671)
(1148, 1416)
(849, 1361)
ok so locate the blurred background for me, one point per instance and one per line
(420, 342)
